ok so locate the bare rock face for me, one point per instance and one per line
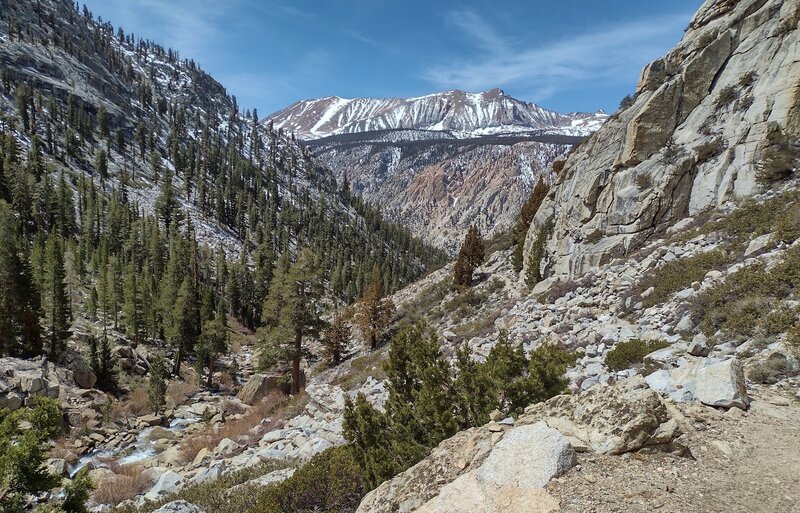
(438, 185)
(690, 141)
(513, 476)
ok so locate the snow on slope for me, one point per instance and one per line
(467, 114)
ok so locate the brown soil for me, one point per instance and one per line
(740, 462)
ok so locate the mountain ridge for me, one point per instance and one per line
(484, 113)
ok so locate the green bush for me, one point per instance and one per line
(769, 371)
(679, 274)
(430, 401)
(709, 149)
(23, 453)
(778, 161)
(737, 307)
(533, 275)
(331, 481)
(631, 352)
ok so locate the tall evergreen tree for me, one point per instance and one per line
(373, 311)
(291, 313)
(56, 306)
(212, 343)
(335, 338)
(183, 329)
(469, 257)
(157, 384)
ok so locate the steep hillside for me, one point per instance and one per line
(93, 103)
(704, 119)
(438, 185)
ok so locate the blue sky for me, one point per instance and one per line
(567, 55)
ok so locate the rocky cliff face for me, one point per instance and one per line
(690, 141)
(438, 185)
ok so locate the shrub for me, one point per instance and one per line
(709, 149)
(778, 214)
(626, 102)
(726, 96)
(736, 307)
(778, 161)
(748, 79)
(331, 481)
(179, 392)
(227, 493)
(792, 340)
(769, 371)
(465, 303)
(679, 274)
(643, 181)
(631, 352)
(253, 422)
(428, 403)
(534, 273)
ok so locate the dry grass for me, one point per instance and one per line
(275, 407)
(179, 392)
(129, 481)
(135, 405)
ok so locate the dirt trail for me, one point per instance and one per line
(742, 462)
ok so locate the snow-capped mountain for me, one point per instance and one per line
(461, 113)
(441, 162)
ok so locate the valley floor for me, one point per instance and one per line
(740, 462)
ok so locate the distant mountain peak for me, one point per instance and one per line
(488, 112)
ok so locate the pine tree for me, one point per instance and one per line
(335, 338)
(373, 312)
(526, 216)
(212, 343)
(132, 309)
(183, 331)
(157, 385)
(103, 364)
(290, 314)
(101, 163)
(57, 311)
(469, 258)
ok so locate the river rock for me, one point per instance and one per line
(169, 483)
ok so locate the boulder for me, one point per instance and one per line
(58, 467)
(179, 507)
(699, 346)
(713, 382)
(227, 447)
(159, 433)
(169, 483)
(329, 398)
(207, 474)
(152, 420)
(665, 358)
(722, 384)
(257, 388)
(609, 419)
(512, 477)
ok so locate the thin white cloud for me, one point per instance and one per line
(612, 55)
(477, 30)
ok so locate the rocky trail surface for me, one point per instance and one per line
(740, 462)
